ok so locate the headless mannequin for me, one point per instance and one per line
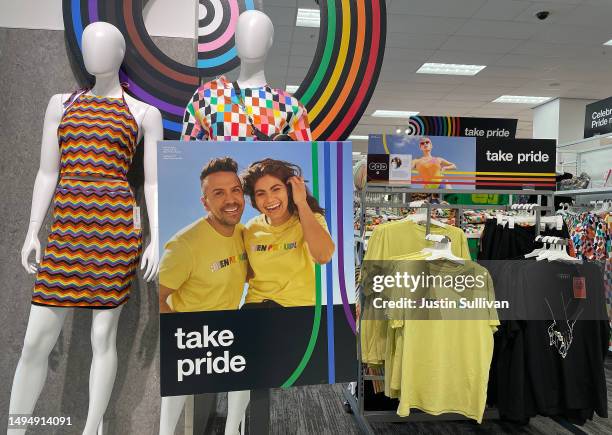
(103, 49)
(254, 37)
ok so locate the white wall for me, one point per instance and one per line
(173, 18)
(31, 14)
(571, 119)
(546, 120)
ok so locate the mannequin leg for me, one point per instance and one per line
(103, 365)
(237, 402)
(44, 326)
(171, 408)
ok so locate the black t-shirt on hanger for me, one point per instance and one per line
(550, 367)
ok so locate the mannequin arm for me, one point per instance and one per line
(46, 180)
(153, 132)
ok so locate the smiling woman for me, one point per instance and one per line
(285, 241)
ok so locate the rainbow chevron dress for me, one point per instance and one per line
(93, 249)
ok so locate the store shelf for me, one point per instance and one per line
(594, 143)
(592, 191)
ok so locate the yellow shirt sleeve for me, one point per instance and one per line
(321, 219)
(176, 264)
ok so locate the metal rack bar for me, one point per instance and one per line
(374, 204)
(391, 189)
(357, 404)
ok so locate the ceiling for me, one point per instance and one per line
(562, 56)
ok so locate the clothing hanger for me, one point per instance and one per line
(557, 251)
(560, 254)
(421, 218)
(441, 249)
(537, 251)
(548, 241)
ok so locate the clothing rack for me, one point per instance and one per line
(404, 194)
(356, 404)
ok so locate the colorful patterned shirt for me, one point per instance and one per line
(215, 113)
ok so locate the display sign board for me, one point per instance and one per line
(259, 345)
(598, 118)
(442, 162)
(487, 128)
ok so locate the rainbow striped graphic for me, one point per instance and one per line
(434, 126)
(330, 192)
(336, 90)
(216, 26)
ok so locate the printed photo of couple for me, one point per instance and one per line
(248, 237)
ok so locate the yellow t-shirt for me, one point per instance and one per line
(283, 270)
(445, 363)
(207, 270)
(389, 241)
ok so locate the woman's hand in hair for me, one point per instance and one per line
(298, 188)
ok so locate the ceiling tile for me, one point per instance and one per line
(416, 40)
(282, 16)
(557, 9)
(498, 29)
(484, 45)
(437, 8)
(465, 57)
(404, 23)
(303, 48)
(393, 54)
(501, 9)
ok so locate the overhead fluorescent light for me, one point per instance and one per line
(608, 43)
(308, 18)
(520, 99)
(454, 69)
(393, 114)
(357, 137)
(291, 88)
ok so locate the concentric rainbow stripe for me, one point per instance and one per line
(336, 90)
(328, 189)
(434, 125)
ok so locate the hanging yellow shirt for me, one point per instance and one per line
(283, 270)
(445, 363)
(207, 270)
(388, 241)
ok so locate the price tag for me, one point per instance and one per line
(136, 218)
(579, 287)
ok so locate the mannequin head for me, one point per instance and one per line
(254, 35)
(103, 48)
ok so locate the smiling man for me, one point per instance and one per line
(204, 265)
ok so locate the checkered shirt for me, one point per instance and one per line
(215, 113)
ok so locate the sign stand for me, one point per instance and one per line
(259, 416)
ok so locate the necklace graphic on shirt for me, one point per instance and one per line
(561, 340)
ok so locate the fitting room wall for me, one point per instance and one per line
(35, 66)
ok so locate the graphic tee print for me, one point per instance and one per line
(205, 279)
(283, 270)
(215, 113)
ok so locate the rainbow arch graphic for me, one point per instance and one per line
(434, 126)
(336, 90)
